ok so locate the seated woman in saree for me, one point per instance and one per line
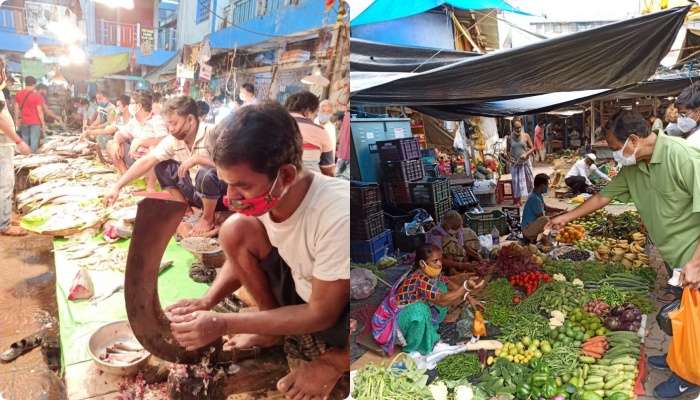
(459, 245)
(416, 305)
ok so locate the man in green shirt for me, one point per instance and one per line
(661, 175)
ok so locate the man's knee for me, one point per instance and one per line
(164, 173)
(242, 236)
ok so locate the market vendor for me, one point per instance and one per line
(688, 103)
(183, 164)
(319, 150)
(536, 210)
(103, 135)
(412, 311)
(135, 139)
(105, 112)
(577, 179)
(661, 175)
(458, 244)
(287, 245)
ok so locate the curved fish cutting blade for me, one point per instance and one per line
(156, 222)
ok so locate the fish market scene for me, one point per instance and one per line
(524, 197)
(174, 199)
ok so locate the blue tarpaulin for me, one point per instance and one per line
(16, 42)
(387, 10)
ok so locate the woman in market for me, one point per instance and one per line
(459, 244)
(661, 175)
(520, 148)
(414, 308)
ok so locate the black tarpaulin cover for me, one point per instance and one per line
(612, 56)
(379, 57)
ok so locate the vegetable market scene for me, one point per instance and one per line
(525, 200)
(174, 199)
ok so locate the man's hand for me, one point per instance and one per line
(523, 156)
(24, 148)
(187, 306)
(197, 329)
(185, 166)
(556, 223)
(110, 196)
(690, 277)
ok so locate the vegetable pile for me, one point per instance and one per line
(571, 234)
(459, 366)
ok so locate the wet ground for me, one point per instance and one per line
(27, 304)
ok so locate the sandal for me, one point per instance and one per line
(14, 231)
(23, 346)
(51, 350)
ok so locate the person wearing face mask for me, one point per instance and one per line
(578, 176)
(133, 140)
(103, 135)
(520, 148)
(535, 211)
(661, 175)
(319, 150)
(459, 244)
(688, 103)
(287, 245)
(105, 113)
(183, 165)
(325, 119)
(412, 311)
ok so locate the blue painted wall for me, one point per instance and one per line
(431, 29)
(310, 14)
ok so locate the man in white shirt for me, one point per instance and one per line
(325, 119)
(140, 134)
(577, 177)
(183, 165)
(287, 245)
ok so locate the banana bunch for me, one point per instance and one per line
(630, 254)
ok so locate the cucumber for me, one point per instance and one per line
(603, 361)
(613, 382)
(594, 386)
(626, 361)
(595, 379)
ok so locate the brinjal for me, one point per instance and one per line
(612, 323)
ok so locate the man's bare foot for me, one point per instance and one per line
(248, 340)
(314, 380)
(202, 227)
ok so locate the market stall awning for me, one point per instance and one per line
(165, 71)
(388, 10)
(371, 56)
(613, 56)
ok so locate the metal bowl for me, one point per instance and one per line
(107, 335)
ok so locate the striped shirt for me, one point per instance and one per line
(318, 149)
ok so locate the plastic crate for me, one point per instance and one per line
(463, 196)
(438, 210)
(365, 210)
(402, 171)
(371, 251)
(431, 170)
(512, 212)
(430, 190)
(362, 193)
(399, 149)
(486, 199)
(483, 224)
(364, 229)
(397, 193)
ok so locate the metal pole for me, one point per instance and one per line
(592, 122)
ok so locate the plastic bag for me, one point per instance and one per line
(684, 350)
(362, 283)
(662, 318)
(82, 287)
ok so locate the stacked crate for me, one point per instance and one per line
(370, 241)
(433, 195)
(401, 164)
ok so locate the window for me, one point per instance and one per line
(203, 7)
(557, 28)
